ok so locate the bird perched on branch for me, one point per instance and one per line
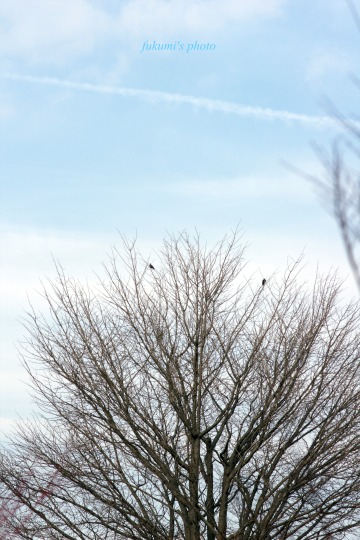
(151, 267)
(263, 282)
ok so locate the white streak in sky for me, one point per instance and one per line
(167, 97)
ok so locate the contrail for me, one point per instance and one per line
(204, 103)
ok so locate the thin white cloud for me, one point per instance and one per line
(287, 188)
(212, 105)
(5, 111)
(325, 63)
(61, 30)
(78, 253)
(166, 17)
(57, 30)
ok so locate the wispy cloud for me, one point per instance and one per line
(166, 17)
(212, 105)
(242, 188)
(5, 111)
(54, 32)
(328, 61)
(40, 31)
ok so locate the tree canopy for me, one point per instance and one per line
(184, 402)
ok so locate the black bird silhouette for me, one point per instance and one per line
(263, 282)
(151, 267)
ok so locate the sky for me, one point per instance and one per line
(148, 117)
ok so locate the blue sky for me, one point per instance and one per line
(98, 137)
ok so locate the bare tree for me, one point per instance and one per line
(340, 183)
(340, 186)
(181, 404)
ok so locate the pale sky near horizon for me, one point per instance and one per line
(98, 134)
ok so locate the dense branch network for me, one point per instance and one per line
(183, 404)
